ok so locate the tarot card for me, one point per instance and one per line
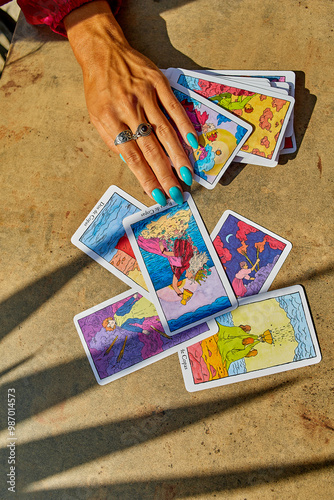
(290, 145)
(267, 110)
(281, 87)
(271, 75)
(271, 333)
(240, 79)
(251, 255)
(221, 135)
(181, 268)
(124, 334)
(275, 78)
(102, 237)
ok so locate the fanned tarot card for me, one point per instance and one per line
(267, 110)
(221, 135)
(277, 79)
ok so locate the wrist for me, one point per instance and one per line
(87, 25)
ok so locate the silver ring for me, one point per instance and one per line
(123, 137)
(143, 130)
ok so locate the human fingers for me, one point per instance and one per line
(156, 159)
(131, 154)
(176, 112)
(139, 155)
(167, 136)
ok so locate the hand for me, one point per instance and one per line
(123, 89)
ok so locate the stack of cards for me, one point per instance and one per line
(240, 116)
(199, 295)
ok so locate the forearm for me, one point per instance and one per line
(87, 25)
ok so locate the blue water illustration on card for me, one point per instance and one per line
(102, 236)
(180, 263)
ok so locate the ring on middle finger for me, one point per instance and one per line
(143, 130)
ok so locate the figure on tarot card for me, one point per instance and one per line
(243, 274)
(168, 237)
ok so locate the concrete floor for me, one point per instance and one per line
(144, 436)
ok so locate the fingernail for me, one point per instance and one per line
(121, 157)
(192, 140)
(186, 175)
(176, 195)
(159, 197)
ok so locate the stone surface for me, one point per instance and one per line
(144, 436)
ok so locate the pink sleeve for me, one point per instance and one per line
(243, 273)
(247, 273)
(52, 12)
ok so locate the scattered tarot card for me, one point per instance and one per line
(251, 255)
(102, 237)
(124, 334)
(181, 268)
(263, 107)
(270, 333)
(221, 135)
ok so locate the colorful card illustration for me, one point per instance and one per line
(220, 135)
(102, 237)
(124, 334)
(181, 268)
(267, 110)
(271, 333)
(275, 78)
(251, 255)
(272, 76)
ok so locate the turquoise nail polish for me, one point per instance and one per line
(186, 175)
(192, 140)
(121, 157)
(176, 195)
(159, 197)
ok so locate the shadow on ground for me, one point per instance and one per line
(44, 458)
(19, 306)
(188, 487)
(146, 30)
